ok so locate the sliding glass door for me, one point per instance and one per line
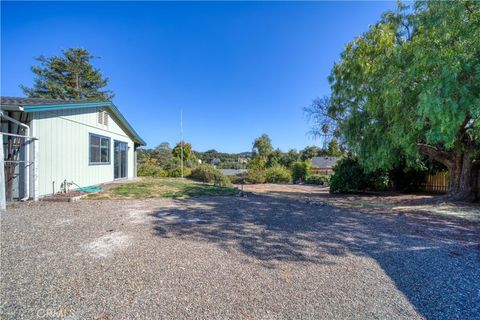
(120, 151)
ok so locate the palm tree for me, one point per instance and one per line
(325, 129)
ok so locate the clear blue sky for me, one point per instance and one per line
(238, 69)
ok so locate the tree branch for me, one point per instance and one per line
(467, 6)
(463, 127)
(446, 158)
(476, 163)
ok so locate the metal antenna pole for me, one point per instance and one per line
(181, 140)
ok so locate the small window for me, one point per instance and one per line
(99, 149)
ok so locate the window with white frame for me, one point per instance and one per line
(99, 149)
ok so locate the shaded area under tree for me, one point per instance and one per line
(433, 261)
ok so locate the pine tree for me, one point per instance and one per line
(67, 77)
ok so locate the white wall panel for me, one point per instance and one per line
(63, 148)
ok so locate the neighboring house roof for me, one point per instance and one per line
(324, 162)
(41, 104)
(232, 172)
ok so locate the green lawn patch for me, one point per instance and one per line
(161, 188)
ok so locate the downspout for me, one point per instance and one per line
(27, 153)
(3, 204)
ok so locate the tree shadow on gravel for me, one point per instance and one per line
(435, 262)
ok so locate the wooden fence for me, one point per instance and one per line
(437, 182)
(325, 171)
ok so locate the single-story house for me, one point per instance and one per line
(215, 161)
(233, 172)
(51, 144)
(242, 160)
(323, 165)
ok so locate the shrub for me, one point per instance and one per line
(318, 179)
(256, 163)
(349, 176)
(177, 172)
(149, 170)
(236, 179)
(300, 171)
(278, 174)
(255, 175)
(207, 173)
(223, 181)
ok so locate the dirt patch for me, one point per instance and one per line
(262, 256)
(379, 202)
(65, 197)
(107, 245)
(289, 190)
(138, 216)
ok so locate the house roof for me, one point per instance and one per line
(16, 101)
(232, 172)
(324, 162)
(41, 104)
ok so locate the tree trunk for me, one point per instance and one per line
(77, 85)
(463, 178)
(462, 169)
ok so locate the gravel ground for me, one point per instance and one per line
(258, 257)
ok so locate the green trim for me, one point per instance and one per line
(50, 107)
(66, 106)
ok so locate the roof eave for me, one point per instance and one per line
(11, 108)
(138, 140)
(113, 108)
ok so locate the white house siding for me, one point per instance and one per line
(63, 148)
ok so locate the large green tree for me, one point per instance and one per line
(410, 87)
(69, 76)
(334, 149)
(309, 152)
(289, 158)
(274, 158)
(163, 153)
(262, 147)
(184, 149)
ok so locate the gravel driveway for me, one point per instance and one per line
(258, 257)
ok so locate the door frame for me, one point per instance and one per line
(126, 160)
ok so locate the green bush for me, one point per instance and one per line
(255, 175)
(349, 176)
(177, 172)
(236, 179)
(207, 173)
(278, 174)
(223, 181)
(318, 179)
(149, 170)
(300, 171)
(256, 163)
